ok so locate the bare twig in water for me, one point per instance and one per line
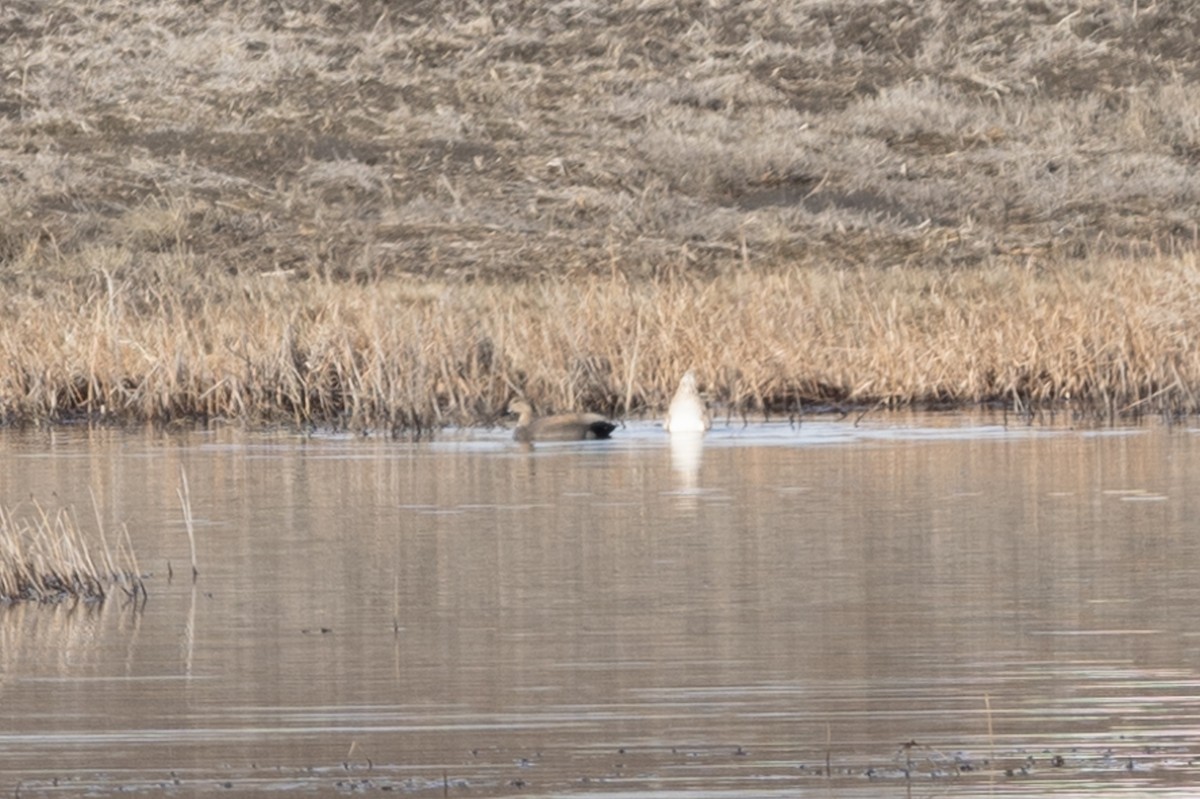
(185, 499)
(134, 577)
(987, 704)
(828, 750)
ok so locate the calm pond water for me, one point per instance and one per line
(931, 606)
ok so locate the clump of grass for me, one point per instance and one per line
(48, 558)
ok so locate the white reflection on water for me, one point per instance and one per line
(687, 451)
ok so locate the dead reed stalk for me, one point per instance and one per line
(185, 500)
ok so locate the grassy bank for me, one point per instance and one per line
(1116, 336)
(396, 215)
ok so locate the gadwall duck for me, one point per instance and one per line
(562, 427)
(687, 413)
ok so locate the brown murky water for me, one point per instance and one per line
(926, 605)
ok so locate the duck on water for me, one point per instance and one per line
(560, 427)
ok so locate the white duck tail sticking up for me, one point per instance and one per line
(687, 413)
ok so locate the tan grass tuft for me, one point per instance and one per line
(48, 558)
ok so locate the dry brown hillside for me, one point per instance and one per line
(363, 139)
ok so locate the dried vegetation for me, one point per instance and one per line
(1111, 336)
(397, 215)
(48, 558)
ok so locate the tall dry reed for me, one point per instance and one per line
(48, 558)
(1111, 337)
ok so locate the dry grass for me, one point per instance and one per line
(48, 558)
(395, 216)
(350, 141)
(1115, 337)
